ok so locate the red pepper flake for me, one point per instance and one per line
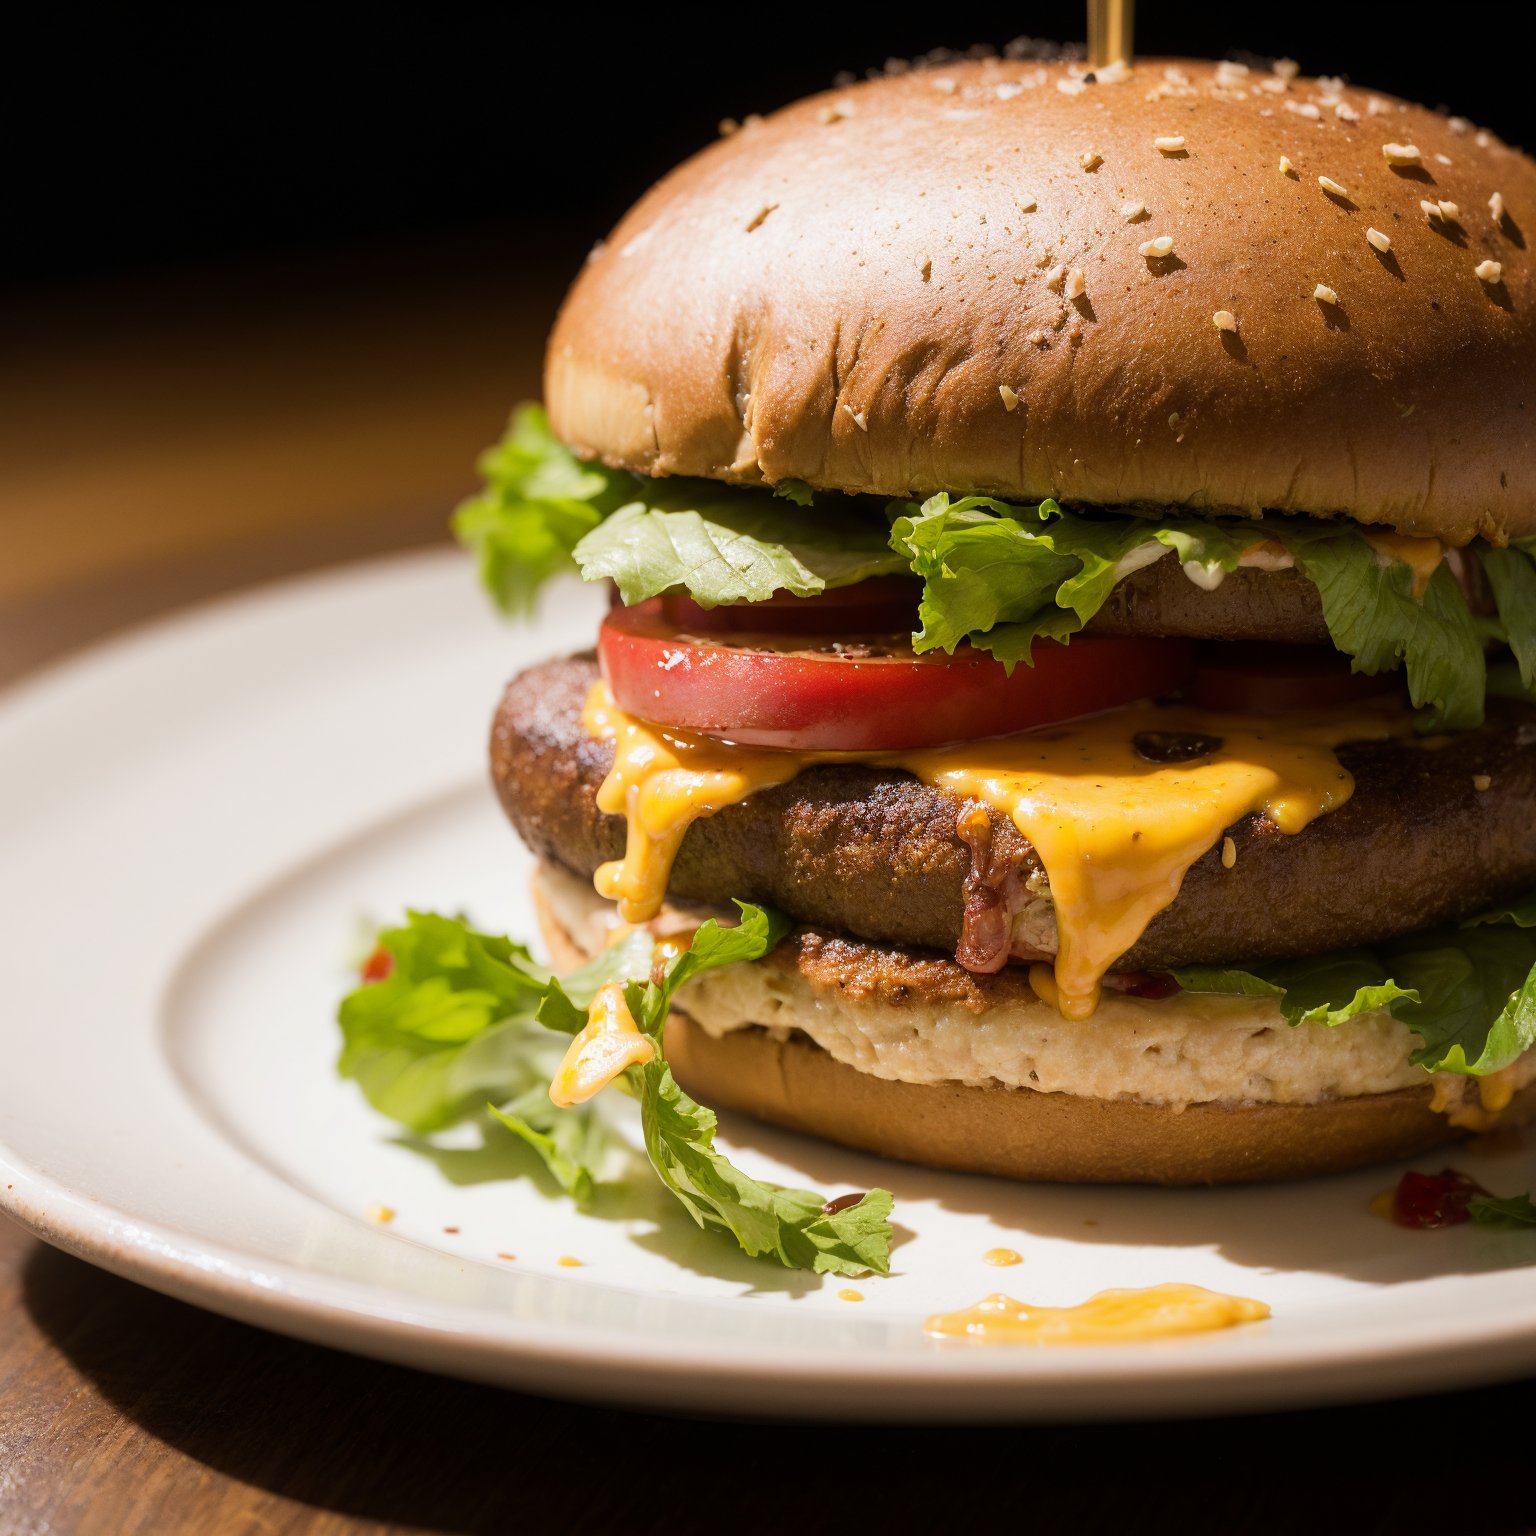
(1427, 1200)
(379, 966)
(451, 1231)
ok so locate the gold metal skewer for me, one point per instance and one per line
(1111, 24)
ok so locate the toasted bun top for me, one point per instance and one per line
(876, 290)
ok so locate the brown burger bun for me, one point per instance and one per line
(1019, 1133)
(840, 293)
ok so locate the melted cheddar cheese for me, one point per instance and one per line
(661, 782)
(1111, 1317)
(1116, 834)
(609, 1042)
(1421, 556)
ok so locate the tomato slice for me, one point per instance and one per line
(1275, 679)
(852, 694)
(881, 604)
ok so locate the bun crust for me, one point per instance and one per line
(1018, 1133)
(837, 293)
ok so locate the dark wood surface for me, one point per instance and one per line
(159, 445)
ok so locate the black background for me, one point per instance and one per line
(147, 142)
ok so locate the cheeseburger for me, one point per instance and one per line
(1072, 544)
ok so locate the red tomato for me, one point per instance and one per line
(1274, 679)
(880, 605)
(853, 695)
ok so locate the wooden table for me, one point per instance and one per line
(161, 443)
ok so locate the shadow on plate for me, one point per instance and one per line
(1320, 1226)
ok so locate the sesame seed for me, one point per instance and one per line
(1441, 212)
(1026, 204)
(1055, 278)
(728, 126)
(1230, 72)
(1287, 69)
(1443, 159)
(1224, 320)
(1286, 168)
(836, 112)
(1496, 207)
(925, 266)
(1076, 283)
(1483, 139)
(1070, 87)
(945, 84)
(1010, 397)
(1345, 113)
(1170, 143)
(1489, 271)
(1380, 241)
(1173, 421)
(1459, 125)
(1037, 338)
(860, 420)
(1482, 781)
(1449, 211)
(1113, 74)
(1303, 109)
(1401, 154)
(381, 1213)
(1158, 248)
(1090, 159)
(1228, 853)
(1132, 212)
(1324, 294)
(1331, 187)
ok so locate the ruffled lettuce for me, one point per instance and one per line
(1469, 993)
(465, 1016)
(995, 575)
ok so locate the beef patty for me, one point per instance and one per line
(874, 853)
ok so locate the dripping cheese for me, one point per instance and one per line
(1421, 556)
(1115, 833)
(1111, 1317)
(609, 1042)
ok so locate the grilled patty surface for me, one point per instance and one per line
(874, 853)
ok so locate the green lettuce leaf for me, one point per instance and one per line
(1512, 575)
(789, 1225)
(446, 1028)
(1468, 993)
(997, 575)
(571, 1145)
(538, 501)
(1374, 618)
(728, 544)
(458, 1021)
(1327, 989)
(1514, 1214)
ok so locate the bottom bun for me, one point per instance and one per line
(1022, 1133)
(1050, 1137)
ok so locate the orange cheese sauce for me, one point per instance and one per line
(1421, 556)
(1111, 1317)
(608, 1043)
(1115, 833)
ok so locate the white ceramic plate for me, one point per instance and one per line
(195, 821)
